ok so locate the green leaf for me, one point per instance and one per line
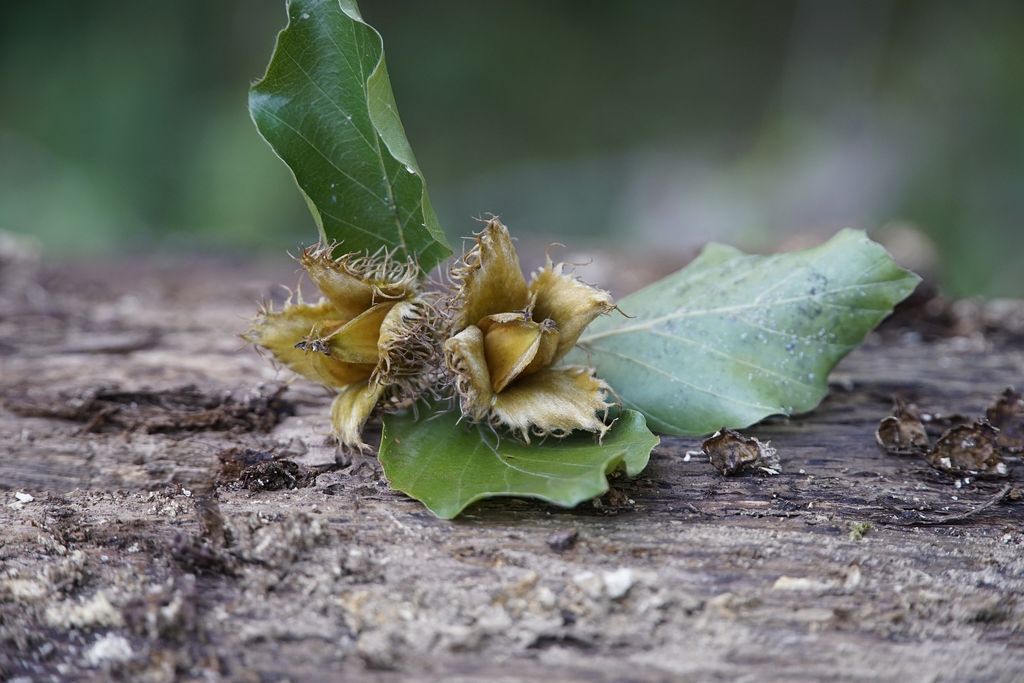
(446, 465)
(731, 338)
(325, 106)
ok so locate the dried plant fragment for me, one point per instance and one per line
(1007, 415)
(903, 432)
(370, 337)
(507, 334)
(968, 449)
(731, 453)
(272, 475)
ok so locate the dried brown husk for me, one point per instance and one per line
(968, 450)
(732, 453)
(903, 432)
(1007, 415)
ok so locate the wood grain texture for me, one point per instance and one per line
(129, 563)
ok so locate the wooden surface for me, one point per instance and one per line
(131, 562)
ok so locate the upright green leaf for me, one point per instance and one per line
(731, 339)
(447, 465)
(325, 106)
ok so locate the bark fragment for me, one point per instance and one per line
(182, 409)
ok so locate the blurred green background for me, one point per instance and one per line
(657, 125)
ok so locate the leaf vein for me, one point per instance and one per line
(732, 358)
(680, 380)
(325, 157)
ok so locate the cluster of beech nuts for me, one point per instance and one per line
(492, 341)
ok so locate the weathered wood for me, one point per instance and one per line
(130, 562)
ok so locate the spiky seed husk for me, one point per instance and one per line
(506, 334)
(372, 337)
